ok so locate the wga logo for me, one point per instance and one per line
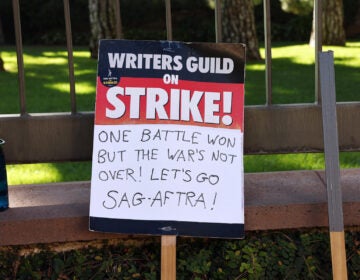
(109, 80)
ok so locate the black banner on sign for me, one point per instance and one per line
(168, 139)
(231, 231)
(210, 62)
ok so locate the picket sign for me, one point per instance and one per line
(168, 142)
(332, 169)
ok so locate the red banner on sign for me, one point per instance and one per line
(150, 100)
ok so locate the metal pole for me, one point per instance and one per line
(168, 20)
(268, 56)
(318, 47)
(119, 34)
(70, 56)
(218, 31)
(20, 58)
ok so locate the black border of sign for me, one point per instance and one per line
(195, 229)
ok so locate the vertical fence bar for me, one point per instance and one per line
(20, 58)
(119, 33)
(69, 46)
(169, 35)
(218, 31)
(318, 47)
(267, 38)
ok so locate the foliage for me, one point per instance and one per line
(43, 23)
(107, 262)
(297, 7)
(257, 2)
(284, 26)
(351, 8)
(261, 255)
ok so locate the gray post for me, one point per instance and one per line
(332, 169)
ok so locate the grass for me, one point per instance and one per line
(38, 173)
(47, 90)
(293, 74)
(46, 80)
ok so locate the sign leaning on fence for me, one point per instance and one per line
(168, 139)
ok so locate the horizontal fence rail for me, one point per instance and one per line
(269, 130)
(59, 212)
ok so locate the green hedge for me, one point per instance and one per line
(261, 255)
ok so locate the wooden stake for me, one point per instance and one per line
(337, 240)
(168, 257)
(332, 168)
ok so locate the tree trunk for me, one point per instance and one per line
(238, 25)
(105, 22)
(333, 32)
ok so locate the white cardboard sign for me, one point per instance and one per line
(168, 139)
